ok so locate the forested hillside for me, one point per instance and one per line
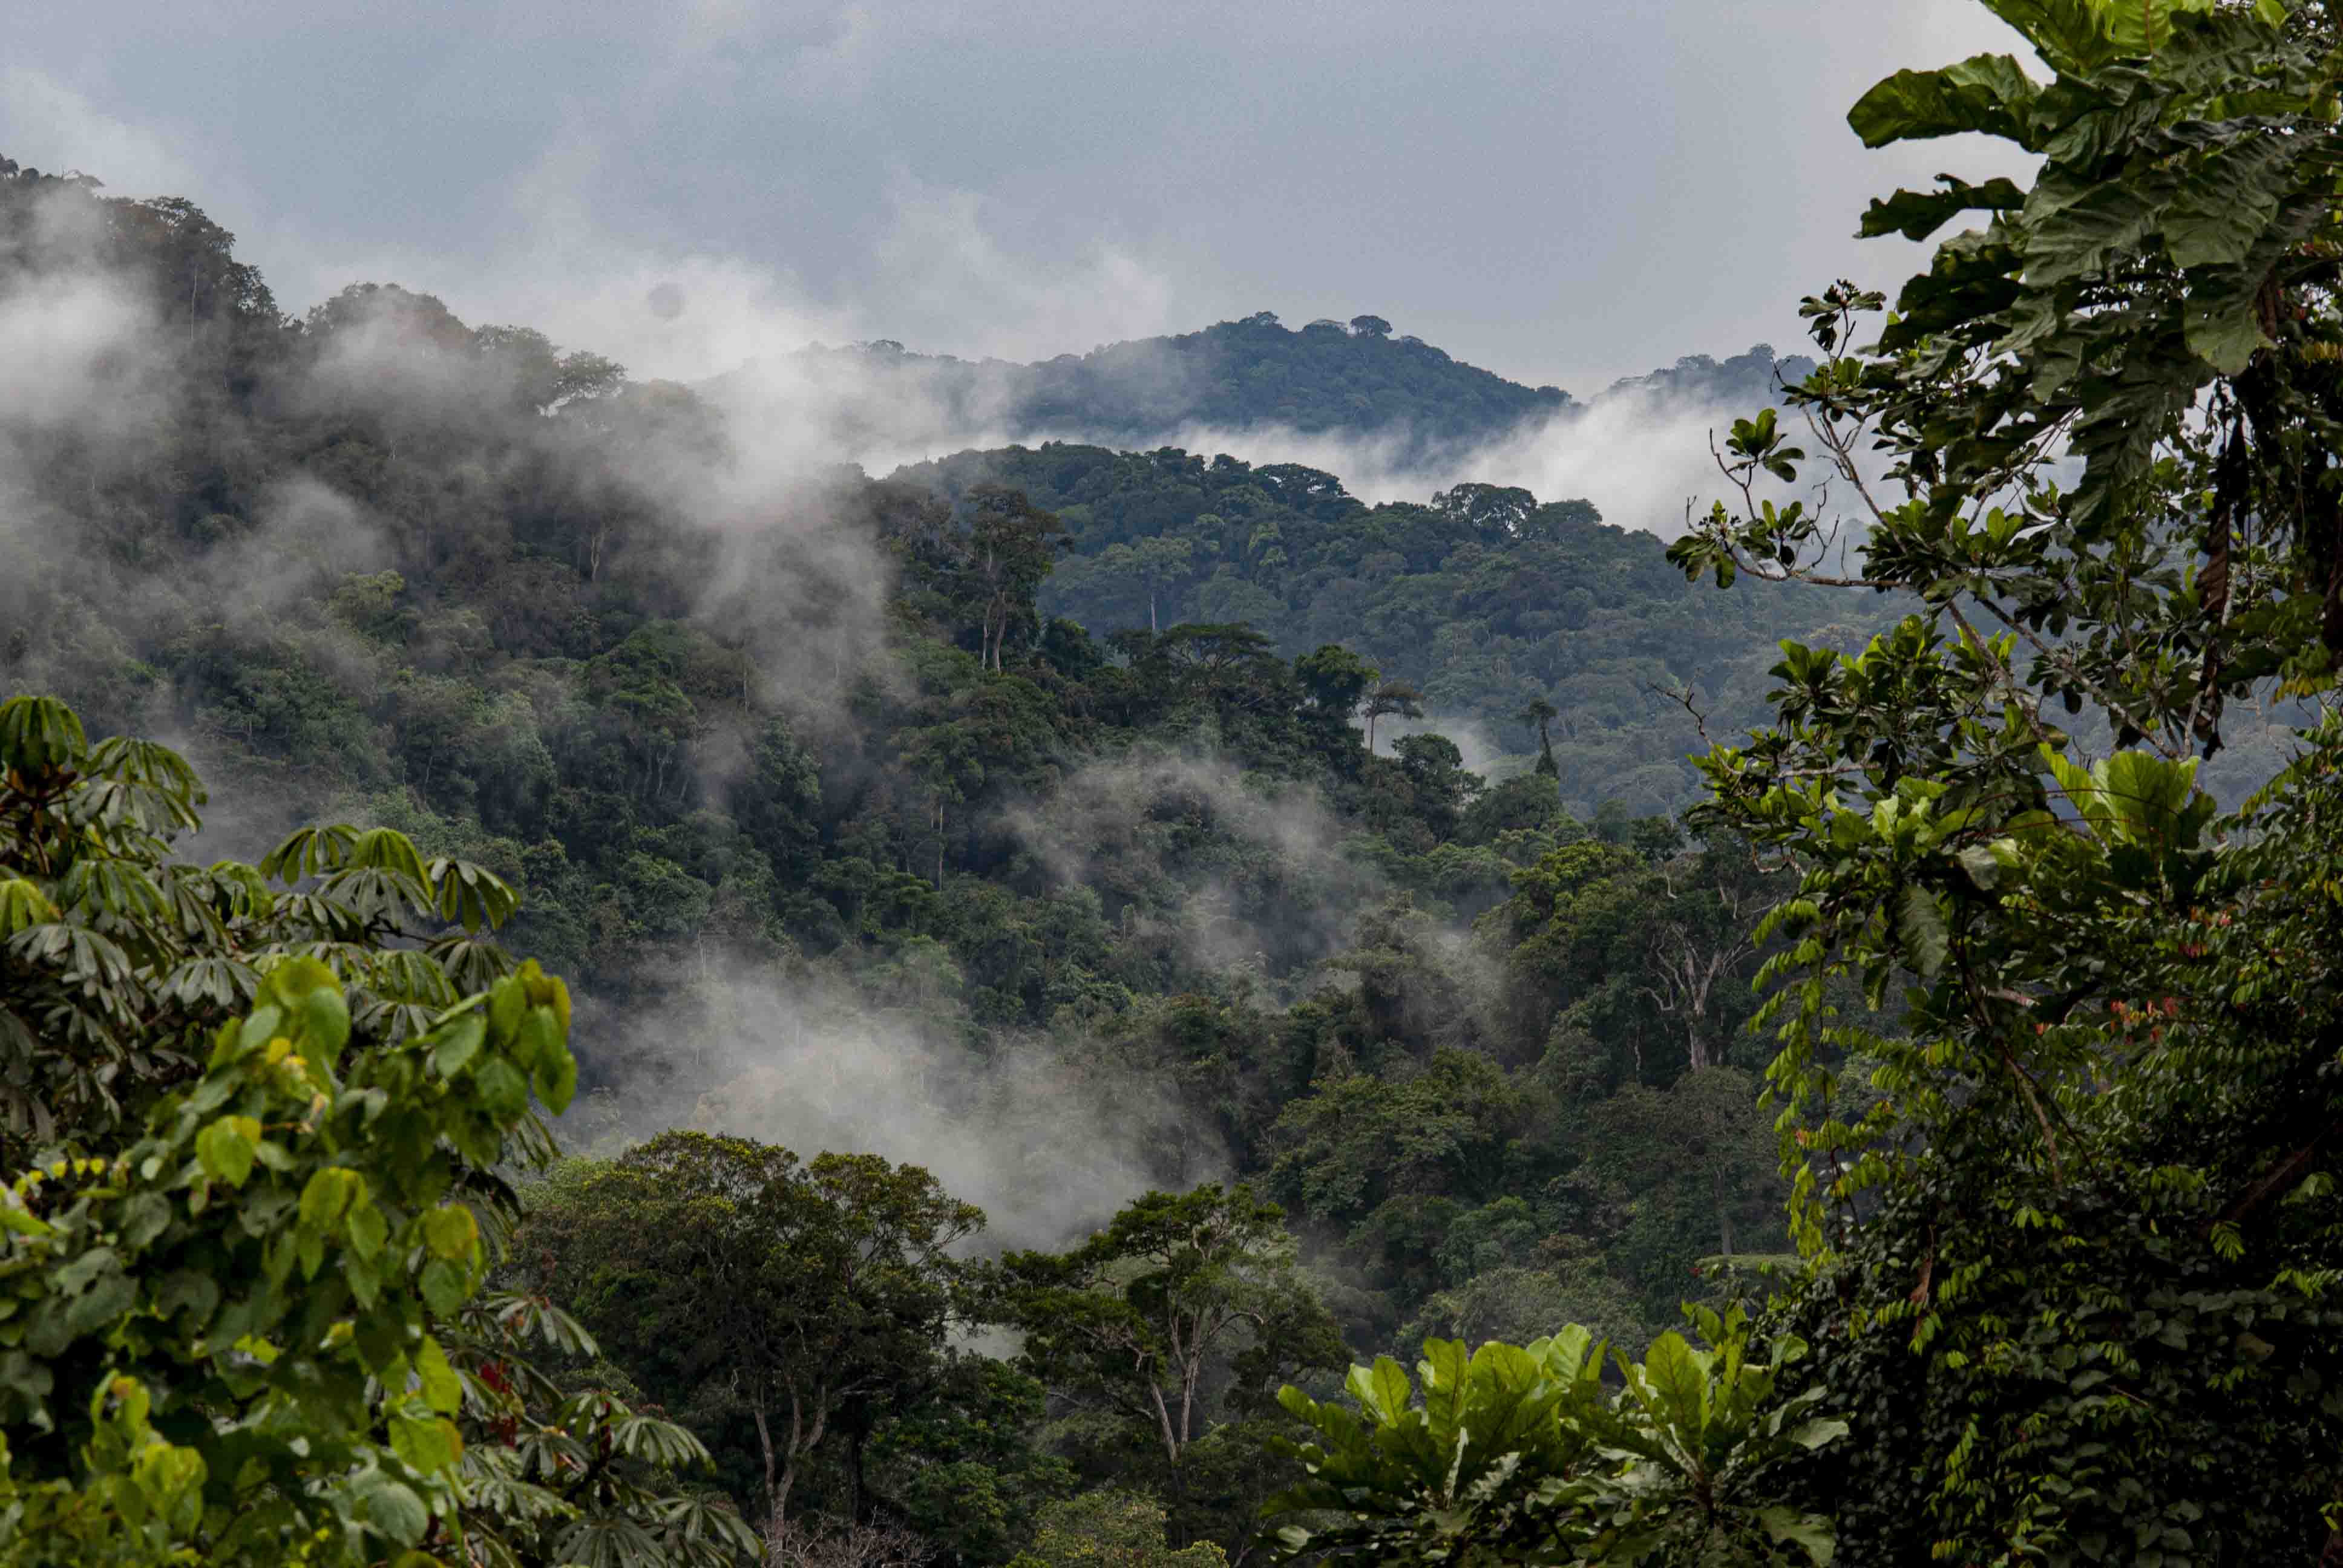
(1483, 599)
(1069, 949)
(1422, 407)
(862, 820)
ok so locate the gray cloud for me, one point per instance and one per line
(1562, 193)
(1050, 1137)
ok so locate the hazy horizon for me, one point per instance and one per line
(1561, 195)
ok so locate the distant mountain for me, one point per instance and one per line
(1327, 378)
(1482, 596)
(1747, 380)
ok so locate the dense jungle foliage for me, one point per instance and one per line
(1482, 599)
(796, 776)
(1031, 1032)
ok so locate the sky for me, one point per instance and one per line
(1564, 191)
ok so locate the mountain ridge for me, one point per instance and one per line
(1325, 378)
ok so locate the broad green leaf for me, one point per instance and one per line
(2070, 34)
(449, 1232)
(327, 1015)
(444, 1287)
(1916, 214)
(393, 1508)
(1990, 93)
(1678, 1377)
(38, 732)
(502, 1088)
(555, 1078)
(388, 850)
(226, 1149)
(441, 1388)
(1444, 1372)
(1814, 1433)
(429, 1445)
(458, 1042)
(2144, 26)
(368, 1228)
(328, 1197)
(16, 1219)
(1811, 1532)
(1393, 1394)
(23, 904)
(2223, 330)
(1920, 921)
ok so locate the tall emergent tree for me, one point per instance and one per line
(790, 1289)
(1174, 1326)
(2074, 1264)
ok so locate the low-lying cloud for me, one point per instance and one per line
(1050, 1136)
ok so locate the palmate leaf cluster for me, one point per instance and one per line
(1520, 1454)
(573, 1475)
(246, 1327)
(121, 960)
(2071, 1225)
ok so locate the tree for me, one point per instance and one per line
(1697, 1162)
(2102, 1111)
(558, 1469)
(1702, 930)
(1537, 713)
(1010, 550)
(1180, 1298)
(1156, 564)
(791, 1289)
(1392, 697)
(1109, 1529)
(1335, 677)
(208, 1314)
(959, 1457)
(1434, 769)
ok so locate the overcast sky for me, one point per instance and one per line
(1562, 190)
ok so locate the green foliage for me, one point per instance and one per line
(958, 1459)
(121, 961)
(2071, 1241)
(1232, 375)
(1519, 1454)
(556, 1472)
(1170, 1329)
(1479, 602)
(1109, 1529)
(231, 1328)
(1176, 1287)
(721, 1266)
(253, 1333)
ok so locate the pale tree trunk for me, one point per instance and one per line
(1170, 1437)
(776, 1486)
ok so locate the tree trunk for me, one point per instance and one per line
(776, 1492)
(1723, 1214)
